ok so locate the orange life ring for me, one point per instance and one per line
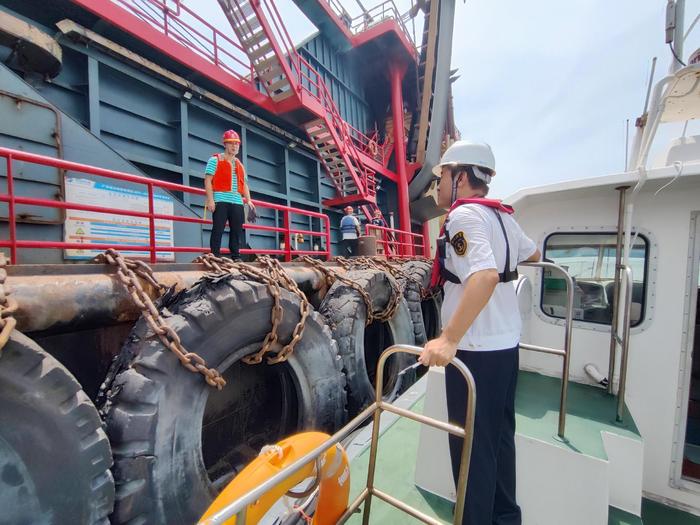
(333, 478)
(373, 147)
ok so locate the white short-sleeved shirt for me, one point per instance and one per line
(498, 325)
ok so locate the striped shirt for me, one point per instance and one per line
(232, 196)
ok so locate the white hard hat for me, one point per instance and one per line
(468, 153)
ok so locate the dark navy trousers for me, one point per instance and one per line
(491, 486)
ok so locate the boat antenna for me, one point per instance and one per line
(640, 122)
(627, 142)
(675, 20)
(649, 85)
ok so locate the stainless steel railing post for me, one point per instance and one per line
(625, 342)
(616, 286)
(467, 432)
(238, 507)
(566, 352)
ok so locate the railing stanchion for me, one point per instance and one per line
(11, 211)
(328, 237)
(625, 343)
(616, 286)
(287, 237)
(565, 354)
(238, 506)
(152, 223)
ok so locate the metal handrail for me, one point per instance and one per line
(566, 352)
(624, 341)
(616, 284)
(170, 19)
(239, 507)
(12, 199)
(396, 243)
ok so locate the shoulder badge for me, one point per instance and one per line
(459, 243)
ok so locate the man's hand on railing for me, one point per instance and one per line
(438, 352)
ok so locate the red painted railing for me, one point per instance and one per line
(177, 21)
(385, 10)
(152, 247)
(370, 146)
(396, 243)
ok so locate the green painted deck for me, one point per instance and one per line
(653, 513)
(590, 411)
(620, 517)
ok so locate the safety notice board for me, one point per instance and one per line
(90, 227)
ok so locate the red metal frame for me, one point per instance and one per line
(396, 73)
(13, 243)
(409, 244)
(160, 35)
(180, 33)
(385, 18)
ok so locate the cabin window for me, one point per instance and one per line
(590, 260)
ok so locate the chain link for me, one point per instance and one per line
(128, 272)
(396, 269)
(8, 307)
(271, 273)
(332, 275)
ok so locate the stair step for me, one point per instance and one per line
(328, 147)
(254, 39)
(270, 74)
(278, 84)
(247, 27)
(245, 9)
(268, 63)
(259, 52)
(278, 97)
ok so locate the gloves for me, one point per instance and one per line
(252, 216)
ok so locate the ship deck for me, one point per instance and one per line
(590, 412)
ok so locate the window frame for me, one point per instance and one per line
(646, 307)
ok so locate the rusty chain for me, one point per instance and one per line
(332, 275)
(274, 276)
(129, 271)
(8, 307)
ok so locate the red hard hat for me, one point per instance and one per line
(231, 136)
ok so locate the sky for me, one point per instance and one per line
(548, 84)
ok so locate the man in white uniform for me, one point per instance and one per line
(478, 252)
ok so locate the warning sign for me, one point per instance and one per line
(117, 230)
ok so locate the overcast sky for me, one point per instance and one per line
(549, 84)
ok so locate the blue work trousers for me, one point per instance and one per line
(491, 486)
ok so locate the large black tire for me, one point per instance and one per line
(178, 440)
(425, 312)
(54, 455)
(360, 346)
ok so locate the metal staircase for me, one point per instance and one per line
(256, 36)
(283, 73)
